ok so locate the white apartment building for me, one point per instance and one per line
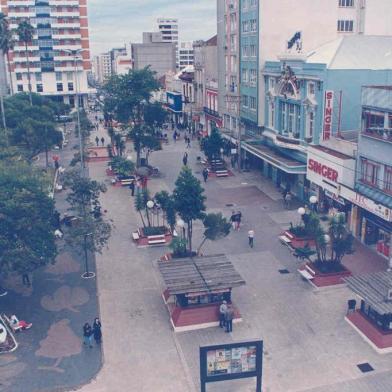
(169, 29)
(185, 54)
(123, 64)
(102, 67)
(318, 22)
(59, 53)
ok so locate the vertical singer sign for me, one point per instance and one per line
(328, 112)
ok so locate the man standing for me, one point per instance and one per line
(185, 159)
(132, 187)
(205, 174)
(103, 141)
(97, 140)
(229, 315)
(251, 235)
(238, 220)
(222, 313)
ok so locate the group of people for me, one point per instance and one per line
(226, 315)
(235, 220)
(97, 140)
(137, 183)
(90, 332)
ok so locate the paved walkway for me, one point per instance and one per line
(58, 302)
(308, 345)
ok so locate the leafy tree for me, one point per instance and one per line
(122, 166)
(341, 239)
(143, 136)
(166, 202)
(216, 227)
(155, 114)
(119, 143)
(141, 199)
(6, 44)
(27, 221)
(189, 200)
(25, 33)
(212, 144)
(91, 232)
(178, 247)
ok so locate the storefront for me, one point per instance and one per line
(174, 106)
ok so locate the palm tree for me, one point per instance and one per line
(6, 44)
(25, 33)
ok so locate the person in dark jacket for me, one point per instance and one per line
(229, 315)
(87, 335)
(185, 159)
(205, 174)
(97, 330)
(132, 187)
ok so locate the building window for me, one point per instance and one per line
(59, 87)
(20, 87)
(271, 115)
(59, 77)
(38, 77)
(245, 26)
(290, 115)
(272, 83)
(253, 25)
(345, 25)
(369, 172)
(252, 51)
(245, 4)
(252, 103)
(346, 3)
(310, 127)
(245, 100)
(40, 88)
(245, 75)
(311, 89)
(388, 178)
(69, 76)
(19, 76)
(252, 77)
(70, 86)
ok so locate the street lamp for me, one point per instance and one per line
(150, 204)
(301, 211)
(87, 274)
(313, 201)
(75, 54)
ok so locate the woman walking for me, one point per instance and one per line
(97, 331)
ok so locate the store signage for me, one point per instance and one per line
(174, 102)
(231, 361)
(323, 170)
(328, 113)
(332, 196)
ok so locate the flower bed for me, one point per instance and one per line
(323, 276)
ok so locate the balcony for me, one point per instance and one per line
(384, 134)
(66, 36)
(291, 138)
(211, 112)
(64, 2)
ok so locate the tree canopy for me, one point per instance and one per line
(27, 221)
(212, 144)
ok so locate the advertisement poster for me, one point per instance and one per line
(230, 361)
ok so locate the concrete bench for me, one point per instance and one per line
(135, 235)
(155, 242)
(284, 239)
(305, 274)
(127, 181)
(222, 173)
(156, 239)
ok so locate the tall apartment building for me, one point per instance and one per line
(228, 65)
(102, 67)
(156, 52)
(60, 26)
(185, 54)
(169, 29)
(114, 53)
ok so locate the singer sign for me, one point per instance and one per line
(328, 112)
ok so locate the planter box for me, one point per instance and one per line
(143, 240)
(324, 279)
(299, 242)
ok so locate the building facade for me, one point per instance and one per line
(156, 52)
(102, 67)
(59, 53)
(169, 29)
(185, 54)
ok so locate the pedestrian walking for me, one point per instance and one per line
(26, 280)
(132, 187)
(188, 142)
(229, 315)
(222, 312)
(238, 220)
(233, 220)
(287, 200)
(87, 335)
(97, 140)
(251, 235)
(185, 159)
(97, 331)
(205, 174)
(103, 141)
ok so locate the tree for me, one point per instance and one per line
(122, 166)
(212, 144)
(143, 136)
(6, 44)
(341, 239)
(155, 114)
(189, 200)
(166, 202)
(216, 227)
(25, 33)
(91, 232)
(27, 221)
(140, 206)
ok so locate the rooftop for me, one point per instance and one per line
(355, 52)
(199, 274)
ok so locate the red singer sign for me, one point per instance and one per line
(323, 170)
(328, 112)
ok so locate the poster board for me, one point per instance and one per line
(231, 361)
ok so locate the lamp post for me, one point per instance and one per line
(313, 201)
(150, 205)
(75, 54)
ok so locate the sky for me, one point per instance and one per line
(113, 23)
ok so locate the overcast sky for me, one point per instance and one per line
(116, 22)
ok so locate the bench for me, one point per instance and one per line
(305, 274)
(222, 173)
(156, 239)
(284, 239)
(14, 327)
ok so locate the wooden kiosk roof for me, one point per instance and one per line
(199, 274)
(373, 289)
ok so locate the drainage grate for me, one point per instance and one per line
(365, 367)
(230, 205)
(284, 271)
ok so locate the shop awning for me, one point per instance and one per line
(288, 165)
(374, 194)
(373, 289)
(199, 274)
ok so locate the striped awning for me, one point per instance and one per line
(373, 289)
(375, 194)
